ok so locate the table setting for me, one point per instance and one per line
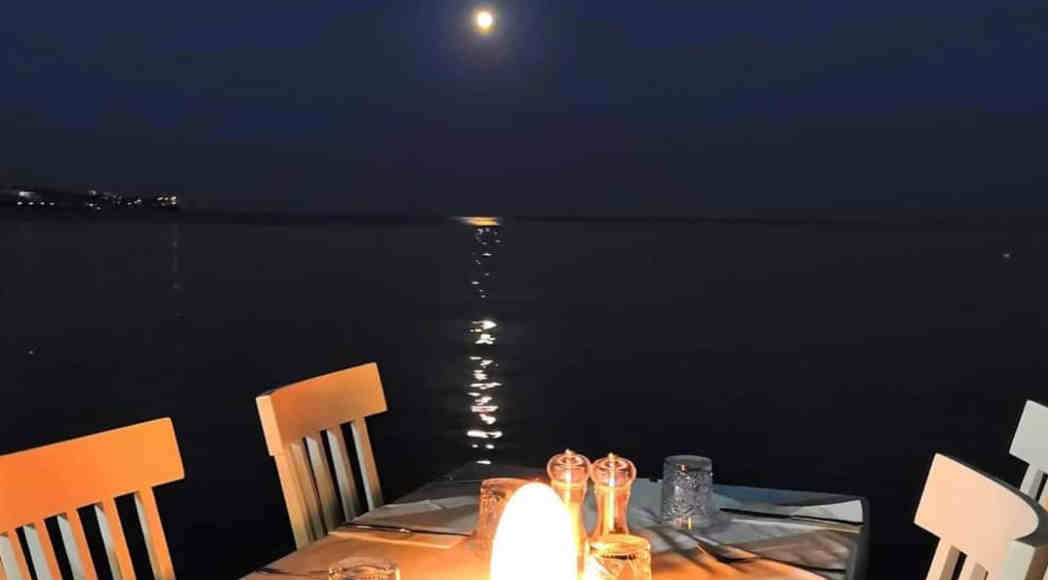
(583, 520)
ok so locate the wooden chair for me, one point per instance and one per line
(55, 480)
(296, 419)
(1031, 445)
(1003, 533)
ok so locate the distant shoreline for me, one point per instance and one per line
(850, 220)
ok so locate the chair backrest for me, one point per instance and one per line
(1003, 533)
(296, 420)
(1031, 445)
(56, 480)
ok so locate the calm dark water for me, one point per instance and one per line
(808, 357)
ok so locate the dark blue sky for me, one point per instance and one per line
(570, 106)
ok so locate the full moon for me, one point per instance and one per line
(485, 20)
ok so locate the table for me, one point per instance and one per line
(784, 536)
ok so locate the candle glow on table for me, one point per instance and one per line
(534, 538)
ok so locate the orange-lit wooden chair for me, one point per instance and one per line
(1031, 445)
(296, 419)
(1003, 533)
(55, 480)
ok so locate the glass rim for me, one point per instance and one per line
(689, 462)
(367, 564)
(514, 482)
(619, 544)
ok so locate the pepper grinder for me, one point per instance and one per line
(613, 478)
(569, 475)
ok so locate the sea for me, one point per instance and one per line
(820, 354)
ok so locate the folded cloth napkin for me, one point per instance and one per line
(447, 514)
(790, 503)
(810, 543)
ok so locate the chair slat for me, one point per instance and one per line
(322, 475)
(368, 469)
(944, 562)
(75, 542)
(308, 489)
(41, 552)
(296, 509)
(113, 537)
(153, 531)
(1032, 481)
(972, 571)
(12, 556)
(347, 483)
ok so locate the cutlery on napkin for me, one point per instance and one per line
(432, 523)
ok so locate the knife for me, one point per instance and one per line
(402, 530)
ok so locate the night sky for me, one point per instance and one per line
(568, 107)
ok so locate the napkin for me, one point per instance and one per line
(801, 542)
(448, 514)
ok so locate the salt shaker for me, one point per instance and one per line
(569, 476)
(613, 478)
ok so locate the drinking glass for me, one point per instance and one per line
(494, 493)
(687, 491)
(618, 557)
(363, 568)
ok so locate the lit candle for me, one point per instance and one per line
(534, 538)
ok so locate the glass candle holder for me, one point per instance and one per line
(613, 478)
(363, 568)
(494, 493)
(687, 491)
(569, 476)
(618, 557)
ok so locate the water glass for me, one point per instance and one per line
(494, 493)
(363, 568)
(618, 557)
(687, 491)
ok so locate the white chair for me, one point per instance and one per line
(1031, 445)
(295, 421)
(55, 480)
(1003, 533)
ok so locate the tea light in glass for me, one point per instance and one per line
(618, 557)
(494, 494)
(363, 568)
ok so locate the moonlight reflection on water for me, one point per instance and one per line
(482, 381)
